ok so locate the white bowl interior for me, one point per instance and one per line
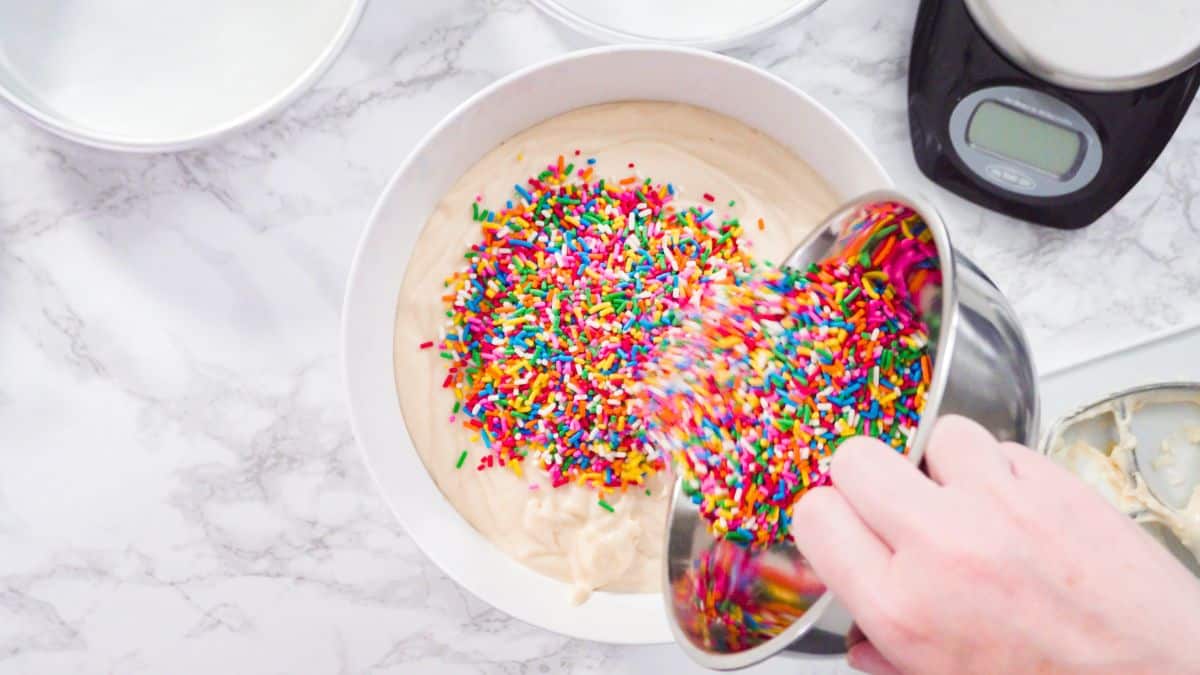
(483, 122)
(161, 73)
(712, 25)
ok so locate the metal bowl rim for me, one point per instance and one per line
(1069, 418)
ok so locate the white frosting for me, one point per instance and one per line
(1114, 471)
(563, 532)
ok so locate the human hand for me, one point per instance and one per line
(999, 561)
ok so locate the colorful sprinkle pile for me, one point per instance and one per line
(773, 373)
(731, 599)
(559, 311)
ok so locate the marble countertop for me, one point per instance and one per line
(179, 488)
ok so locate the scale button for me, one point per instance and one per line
(1007, 175)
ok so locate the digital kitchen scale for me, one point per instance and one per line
(1049, 111)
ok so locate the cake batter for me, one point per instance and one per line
(564, 532)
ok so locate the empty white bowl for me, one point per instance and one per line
(711, 24)
(161, 75)
(483, 122)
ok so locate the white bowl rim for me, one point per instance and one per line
(442, 559)
(260, 113)
(580, 24)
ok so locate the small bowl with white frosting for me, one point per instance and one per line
(1140, 449)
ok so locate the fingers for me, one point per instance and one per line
(842, 550)
(960, 451)
(891, 495)
(865, 657)
(1027, 464)
(854, 636)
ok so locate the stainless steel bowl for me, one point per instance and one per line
(982, 369)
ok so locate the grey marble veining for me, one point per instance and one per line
(179, 489)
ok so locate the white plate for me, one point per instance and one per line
(483, 122)
(158, 75)
(1094, 46)
(709, 24)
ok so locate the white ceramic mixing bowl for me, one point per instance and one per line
(478, 125)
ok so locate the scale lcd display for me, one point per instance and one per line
(1010, 133)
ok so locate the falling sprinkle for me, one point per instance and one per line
(764, 382)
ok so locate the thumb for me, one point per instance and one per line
(865, 657)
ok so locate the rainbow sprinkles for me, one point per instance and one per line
(560, 310)
(596, 324)
(764, 382)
